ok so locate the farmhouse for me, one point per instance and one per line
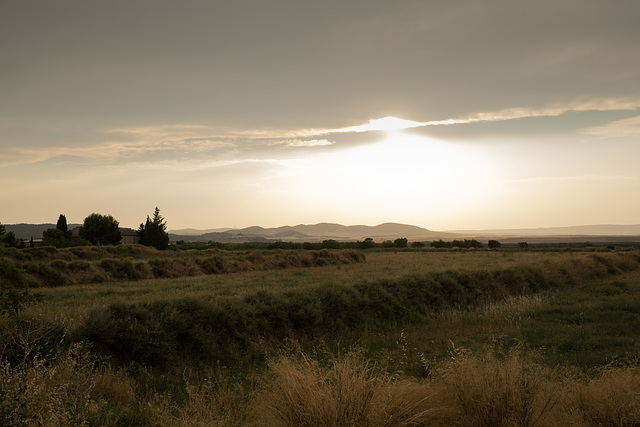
(129, 236)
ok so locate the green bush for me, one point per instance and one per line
(160, 267)
(59, 264)
(47, 275)
(213, 265)
(10, 274)
(79, 265)
(120, 269)
(163, 332)
(22, 338)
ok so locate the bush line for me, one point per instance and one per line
(163, 332)
(48, 266)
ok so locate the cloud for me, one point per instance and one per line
(621, 128)
(308, 143)
(553, 110)
(193, 143)
(578, 178)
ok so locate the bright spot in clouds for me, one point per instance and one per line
(399, 176)
(385, 123)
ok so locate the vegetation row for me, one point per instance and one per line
(49, 266)
(166, 332)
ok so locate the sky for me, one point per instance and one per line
(448, 115)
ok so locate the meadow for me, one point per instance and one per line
(133, 336)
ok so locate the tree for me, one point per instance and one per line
(493, 244)
(101, 230)
(10, 240)
(53, 237)
(388, 244)
(62, 226)
(154, 231)
(401, 242)
(368, 243)
(330, 244)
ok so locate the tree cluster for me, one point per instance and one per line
(8, 239)
(101, 230)
(60, 236)
(97, 229)
(466, 243)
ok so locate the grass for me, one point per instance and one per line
(406, 338)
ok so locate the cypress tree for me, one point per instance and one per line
(154, 231)
(62, 226)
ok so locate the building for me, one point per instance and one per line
(129, 236)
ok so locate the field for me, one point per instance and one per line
(133, 336)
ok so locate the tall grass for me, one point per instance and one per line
(611, 399)
(505, 391)
(69, 390)
(347, 390)
(351, 392)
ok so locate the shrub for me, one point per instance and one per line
(59, 264)
(79, 265)
(159, 267)
(213, 265)
(10, 274)
(23, 338)
(13, 301)
(162, 332)
(120, 269)
(47, 275)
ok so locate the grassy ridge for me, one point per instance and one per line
(49, 266)
(165, 332)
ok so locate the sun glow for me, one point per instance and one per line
(407, 173)
(386, 123)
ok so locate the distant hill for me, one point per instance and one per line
(578, 230)
(391, 231)
(26, 231)
(316, 232)
(194, 232)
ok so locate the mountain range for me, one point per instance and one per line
(310, 233)
(390, 231)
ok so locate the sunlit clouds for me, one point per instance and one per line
(620, 128)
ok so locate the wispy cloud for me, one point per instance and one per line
(621, 128)
(553, 110)
(577, 178)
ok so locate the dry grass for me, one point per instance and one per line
(69, 391)
(479, 390)
(611, 399)
(349, 393)
(508, 391)
(217, 401)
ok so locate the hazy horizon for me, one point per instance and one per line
(472, 115)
